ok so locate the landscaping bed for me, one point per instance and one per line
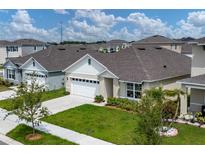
(21, 131)
(3, 88)
(117, 126)
(9, 105)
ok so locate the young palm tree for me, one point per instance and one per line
(175, 93)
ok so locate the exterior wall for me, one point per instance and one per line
(67, 82)
(197, 99)
(108, 87)
(116, 88)
(26, 50)
(198, 63)
(3, 55)
(15, 53)
(170, 47)
(122, 89)
(55, 80)
(84, 68)
(166, 84)
(18, 76)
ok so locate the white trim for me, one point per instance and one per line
(8, 60)
(188, 83)
(87, 55)
(130, 82)
(35, 61)
(108, 72)
(131, 98)
(197, 104)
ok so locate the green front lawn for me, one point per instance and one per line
(48, 95)
(3, 88)
(116, 126)
(21, 131)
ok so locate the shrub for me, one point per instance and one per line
(5, 82)
(123, 103)
(199, 118)
(99, 99)
(169, 110)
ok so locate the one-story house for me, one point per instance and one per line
(88, 72)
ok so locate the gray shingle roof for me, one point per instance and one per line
(136, 63)
(200, 40)
(156, 39)
(200, 79)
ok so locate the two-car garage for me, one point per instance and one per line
(84, 87)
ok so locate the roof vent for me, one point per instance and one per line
(61, 48)
(82, 48)
(141, 48)
(158, 48)
(165, 66)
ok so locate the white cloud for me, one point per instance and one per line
(61, 11)
(94, 25)
(196, 18)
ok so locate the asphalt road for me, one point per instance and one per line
(2, 143)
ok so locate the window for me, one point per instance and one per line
(175, 46)
(12, 48)
(34, 64)
(11, 74)
(134, 90)
(35, 48)
(89, 61)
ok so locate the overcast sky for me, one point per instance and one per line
(96, 25)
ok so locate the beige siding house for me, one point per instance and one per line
(196, 84)
(165, 42)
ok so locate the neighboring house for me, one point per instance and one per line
(113, 46)
(196, 84)
(88, 72)
(18, 48)
(175, 45)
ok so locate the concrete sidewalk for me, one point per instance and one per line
(7, 94)
(9, 140)
(64, 133)
(70, 135)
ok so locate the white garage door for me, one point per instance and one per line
(40, 79)
(84, 87)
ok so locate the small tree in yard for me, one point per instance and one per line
(153, 106)
(31, 110)
(150, 121)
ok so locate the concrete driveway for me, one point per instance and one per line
(7, 94)
(66, 102)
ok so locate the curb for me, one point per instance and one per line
(8, 140)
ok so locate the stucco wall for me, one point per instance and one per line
(197, 99)
(198, 62)
(166, 84)
(168, 46)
